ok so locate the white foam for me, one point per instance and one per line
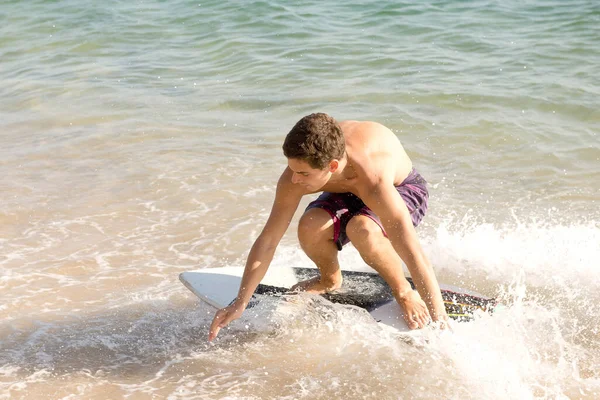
(542, 251)
(542, 345)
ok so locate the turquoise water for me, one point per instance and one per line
(478, 89)
(142, 139)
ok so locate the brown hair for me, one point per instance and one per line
(316, 139)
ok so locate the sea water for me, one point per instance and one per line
(142, 139)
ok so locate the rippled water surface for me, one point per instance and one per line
(142, 139)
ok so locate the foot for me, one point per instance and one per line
(315, 286)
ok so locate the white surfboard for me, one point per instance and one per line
(219, 287)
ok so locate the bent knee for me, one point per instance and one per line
(362, 229)
(315, 225)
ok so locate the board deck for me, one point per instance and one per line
(219, 286)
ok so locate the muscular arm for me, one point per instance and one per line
(380, 195)
(286, 202)
(287, 198)
(387, 203)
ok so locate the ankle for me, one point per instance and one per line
(331, 284)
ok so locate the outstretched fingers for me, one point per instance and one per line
(416, 313)
(223, 317)
(216, 325)
(417, 320)
(444, 324)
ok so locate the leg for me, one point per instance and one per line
(315, 233)
(377, 251)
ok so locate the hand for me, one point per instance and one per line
(224, 316)
(416, 313)
(441, 320)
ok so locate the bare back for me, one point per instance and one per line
(374, 152)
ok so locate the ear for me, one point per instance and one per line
(334, 165)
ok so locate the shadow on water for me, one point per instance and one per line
(121, 342)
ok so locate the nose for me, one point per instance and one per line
(295, 178)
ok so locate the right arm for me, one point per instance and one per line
(287, 198)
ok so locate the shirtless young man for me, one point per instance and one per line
(371, 196)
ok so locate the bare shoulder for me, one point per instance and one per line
(286, 189)
(376, 151)
(363, 126)
(369, 135)
(358, 127)
(287, 199)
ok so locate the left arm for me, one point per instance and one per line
(381, 196)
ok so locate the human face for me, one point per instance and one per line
(304, 175)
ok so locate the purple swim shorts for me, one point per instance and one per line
(343, 206)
